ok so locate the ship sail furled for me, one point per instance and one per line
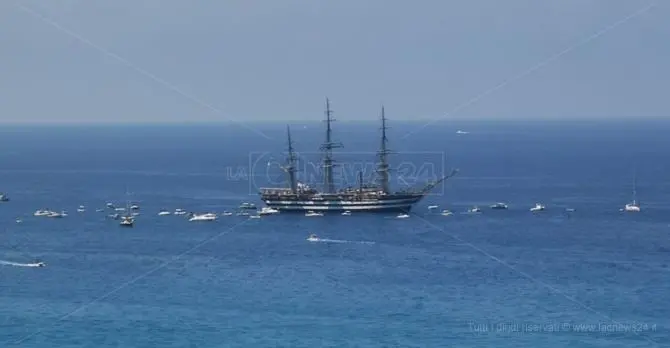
(383, 166)
(327, 148)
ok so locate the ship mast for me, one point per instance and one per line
(327, 148)
(291, 165)
(383, 166)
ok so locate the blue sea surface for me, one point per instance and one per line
(595, 277)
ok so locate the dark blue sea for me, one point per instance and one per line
(595, 277)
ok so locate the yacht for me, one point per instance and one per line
(134, 207)
(474, 210)
(203, 217)
(402, 216)
(3, 197)
(538, 207)
(268, 211)
(247, 206)
(346, 213)
(127, 221)
(227, 213)
(163, 212)
(313, 213)
(432, 207)
(633, 206)
(180, 212)
(313, 238)
(110, 205)
(54, 214)
(446, 212)
(499, 206)
(42, 212)
(81, 209)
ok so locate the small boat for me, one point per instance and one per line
(99, 210)
(268, 211)
(114, 216)
(633, 206)
(135, 214)
(81, 209)
(54, 214)
(4, 197)
(18, 221)
(42, 212)
(127, 221)
(227, 213)
(499, 206)
(243, 213)
(402, 216)
(346, 213)
(254, 216)
(134, 207)
(570, 210)
(432, 207)
(474, 210)
(179, 212)
(203, 217)
(538, 207)
(313, 238)
(313, 213)
(246, 205)
(40, 264)
(120, 209)
(163, 212)
(110, 205)
(446, 212)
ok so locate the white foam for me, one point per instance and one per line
(16, 264)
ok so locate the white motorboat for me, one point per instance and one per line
(499, 206)
(81, 209)
(538, 207)
(254, 216)
(346, 213)
(402, 216)
(313, 213)
(247, 206)
(4, 197)
(313, 238)
(54, 214)
(180, 212)
(163, 212)
(446, 212)
(42, 213)
(474, 210)
(203, 217)
(633, 206)
(227, 213)
(432, 207)
(268, 211)
(134, 207)
(243, 213)
(127, 221)
(120, 209)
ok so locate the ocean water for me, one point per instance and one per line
(595, 277)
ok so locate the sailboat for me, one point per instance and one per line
(633, 206)
(127, 220)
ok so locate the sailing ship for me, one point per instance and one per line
(127, 220)
(633, 206)
(369, 198)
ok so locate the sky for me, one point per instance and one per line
(78, 61)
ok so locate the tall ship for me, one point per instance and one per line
(376, 197)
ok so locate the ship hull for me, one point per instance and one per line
(385, 205)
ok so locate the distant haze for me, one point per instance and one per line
(243, 60)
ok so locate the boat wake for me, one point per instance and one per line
(17, 264)
(326, 240)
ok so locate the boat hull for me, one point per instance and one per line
(384, 205)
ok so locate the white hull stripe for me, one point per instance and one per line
(342, 208)
(345, 203)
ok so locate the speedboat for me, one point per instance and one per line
(54, 214)
(81, 209)
(632, 207)
(40, 264)
(313, 238)
(4, 197)
(227, 213)
(163, 212)
(179, 212)
(313, 213)
(135, 207)
(499, 206)
(402, 216)
(268, 211)
(446, 212)
(346, 213)
(432, 207)
(246, 205)
(254, 216)
(114, 216)
(243, 213)
(42, 213)
(110, 205)
(127, 221)
(538, 207)
(203, 217)
(474, 210)
(120, 209)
